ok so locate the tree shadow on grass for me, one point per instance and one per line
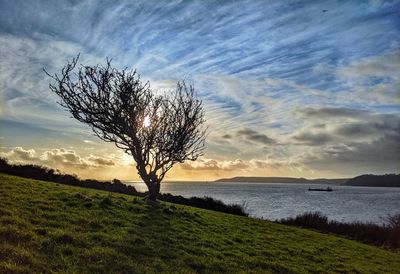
(157, 239)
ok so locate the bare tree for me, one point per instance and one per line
(157, 130)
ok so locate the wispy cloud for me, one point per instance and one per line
(256, 137)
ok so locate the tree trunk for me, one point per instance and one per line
(154, 190)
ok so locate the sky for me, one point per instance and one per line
(290, 88)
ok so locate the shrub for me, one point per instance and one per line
(206, 203)
(387, 234)
(309, 219)
(392, 221)
(48, 174)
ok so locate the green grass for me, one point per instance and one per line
(48, 227)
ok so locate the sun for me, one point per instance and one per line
(127, 159)
(146, 121)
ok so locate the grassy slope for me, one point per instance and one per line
(50, 227)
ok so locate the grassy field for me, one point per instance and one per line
(48, 227)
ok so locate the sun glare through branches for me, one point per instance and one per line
(146, 121)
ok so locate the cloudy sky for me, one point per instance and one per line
(291, 88)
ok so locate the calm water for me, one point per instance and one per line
(275, 201)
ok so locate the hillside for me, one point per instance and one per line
(285, 180)
(388, 180)
(49, 227)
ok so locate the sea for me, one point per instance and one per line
(274, 201)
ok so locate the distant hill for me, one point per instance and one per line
(387, 180)
(286, 180)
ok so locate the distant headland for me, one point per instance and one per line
(387, 180)
(285, 180)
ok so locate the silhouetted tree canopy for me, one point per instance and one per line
(157, 130)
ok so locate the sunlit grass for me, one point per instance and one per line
(51, 227)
